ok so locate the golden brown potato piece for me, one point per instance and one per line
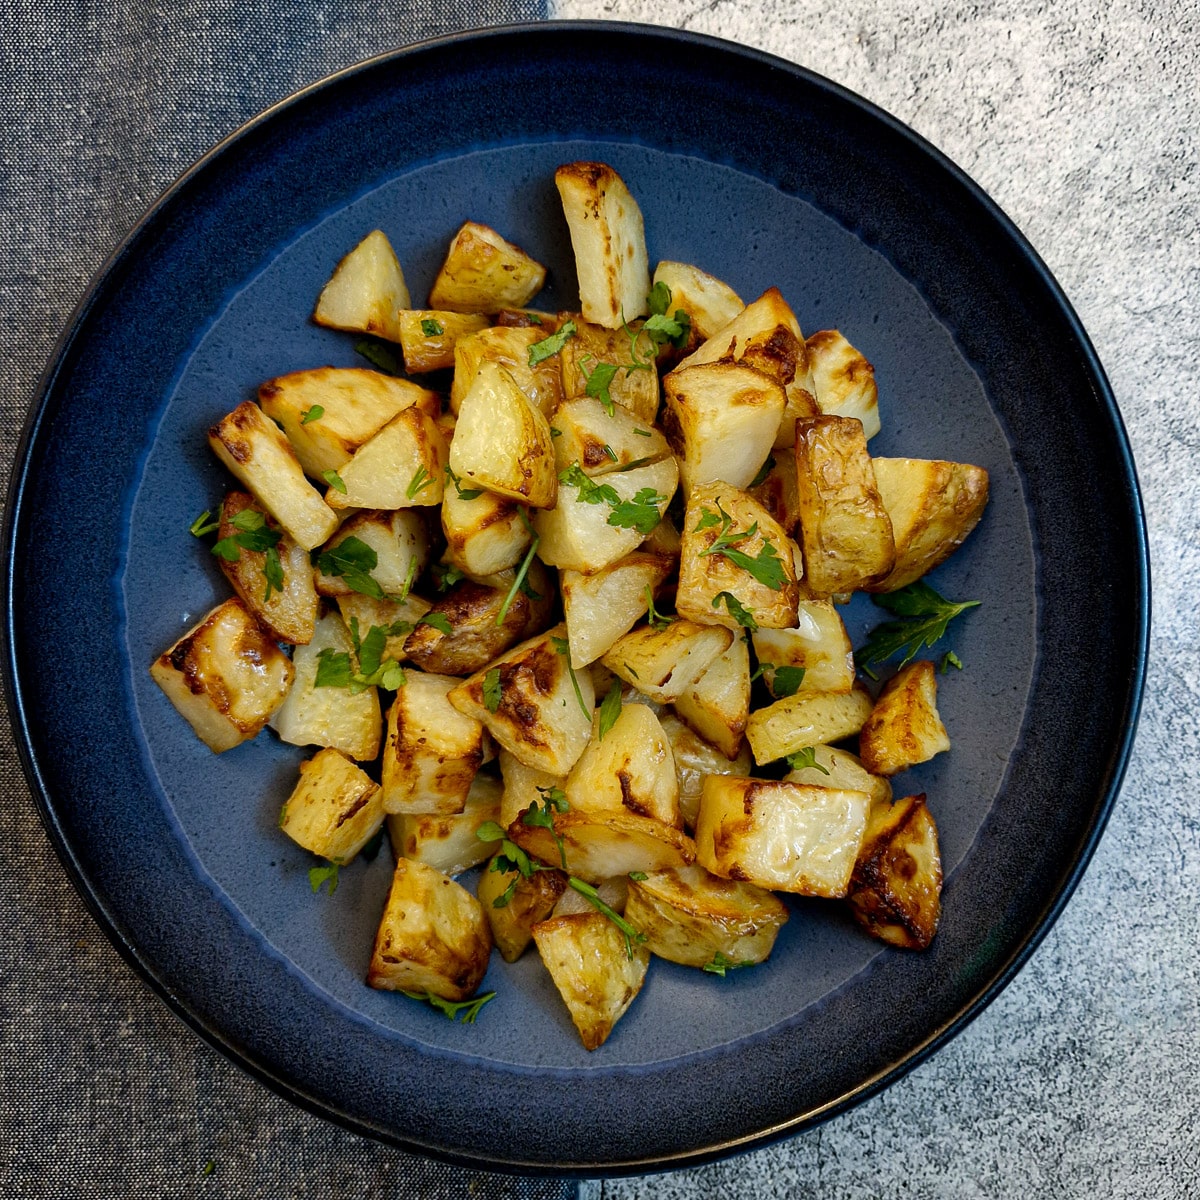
(904, 727)
(485, 533)
(806, 719)
(257, 454)
(427, 337)
(896, 888)
(845, 531)
(433, 936)
(397, 617)
(841, 769)
(401, 543)
(817, 643)
(508, 347)
(225, 676)
(777, 491)
(366, 290)
(447, 841)
(483, 273)
(664, 663)
(709, 303)
(609, 241)
(717, 705)
(602, 442)
(532, 900)
(288, 615)
(843, 380)
(402, 466)
(523, 786)
(787, 837)
(334, 810)
(754, 563)
(692, 917)
(933, 506)
(634, 387)
(527, 701)
(694, 760)
(594, 970)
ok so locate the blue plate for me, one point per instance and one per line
(763, 174)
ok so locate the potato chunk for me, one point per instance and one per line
(732, 547)
(328, 716)
(225, 676)
(400, 542)
(845, 531)
(896, 889)
(721, 419)
(433, 936)
(447, 841)
(508, 347)
(262, 460)
(904, 727)
(709, 303)
(602, 442)
(629, 769)
(609, 241)
(690, 916)
(502, 441)
(717, 705)
(664, 663)
(788, 837)
(395, 616)
(483, 273)
(532, 900)
(287, 614)
(806, 719)
(843, 380)
(841, 769)
(694, 760)
(817, 644)
(427, 337)
(402, 466)
(634, 386)
(366, 290)
(329, 412)
(334, 810)
(933, 506)
(432, 751)
(527, 701)
(523, 786)
(485, 533)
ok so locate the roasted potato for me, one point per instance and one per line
(806, 719)
(508, 348)
(904, 728)
(402, 466)
(513, 916)
(717, 705)
(817, 644)
(634, 384)
(483, 273)
(663, 663)
(709, 303)
(694, 760)
(366, 291)
(400, 541)
(841, 769)
(427, 337)
(843, 380)
(485, 533)
(334, 810)
(602, 442)
(447, 841)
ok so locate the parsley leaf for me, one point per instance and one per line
(353, 560)
(592, 896)
(563, 647)
(662, 329)
(610, 708)
(720, 964)
(804, 758)
(334, 480)
(550, 346)
(312, 414)
(491, 690)
(736, 610)
(272, 572)
(438, 620)
(654, 618)
(543, 818)
(766, 566)
(446, 576)
(321, 875)
(659, 299)
(431, 327)
(950, 659)
(380, 355)
(924, 618)
(419, 482)
(589, 491)
(597, 381)
(786, 681)
(463, 493)
(464, 1011)
(640, 513)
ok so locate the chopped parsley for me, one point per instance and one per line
(924, 616)
(950, 659)
(719, 964)
(592, 896)
(641, 513)
(203, 525)
(610, 708)
(491, 690)
(766, 566)
(312, 414)
(334, 480)
(805, 758)
(431, 327)
(548, 347)
(318, 876)
(563, 647)
(518, 583)
(353, 560)
(419, 482)
(736, 610)
(654, 618)
(598, 380)
(464, 1011)
(463, 493)
(763, 471)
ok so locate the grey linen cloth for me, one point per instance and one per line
(103, 1092)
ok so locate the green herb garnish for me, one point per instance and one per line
(763, 472)
(203, 525)
(563, 647)
(548, 347)
(463, 493)
(380, 355)
(654, 618)
(518, 583)
(464, 1011)
(610, 708)
(491, 690)
(924, 618)
(720, 964)
(805, 758)
(318, 876)
(353, 560)
(334, 480)
(312, 414)
(431, 327)
(419, 482)
(736, 610)
(589, 893)
(766, 566)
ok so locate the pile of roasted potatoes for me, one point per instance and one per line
(590, 563)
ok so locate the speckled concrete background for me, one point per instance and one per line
(1080, 118)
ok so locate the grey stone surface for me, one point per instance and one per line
(1080, 118)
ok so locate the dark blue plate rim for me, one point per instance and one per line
(1056, 896)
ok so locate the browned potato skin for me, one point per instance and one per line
(475, 638)
(434, 351)
(290, 615)
(533, 900)
(484, 272)
(933, 506)
(904, 727)
(845, 531)
(895, 891)
(635, 390)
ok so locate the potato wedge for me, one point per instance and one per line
(225, 676)
(447, 841)
(717, 705)
(932, 506)
(732, 547)
(595, 973)
(777, 492)
(483, 273)
(709, 303)
(721, 420)
(334, 810)
(698, 919)
(433, 936)
(634, 385)
(895, 892)
(399, 540)
(396, 616)
(602, 442)
(328, 716)
(609, 241)
(402, 466)
(527, 701)
(845, 531)
(841, 769)
(602, 607)
(366, 290)
(904, 728)
(502, 441)
(596, 523)
(532, 900)
(694, 759)
(523, 786)
(787, 837)
(629, 769)
(329, 412)
(287, 614)
(485, 533)
(432, 751)
(664, 663)
(843, 380)
(806, 719)
(427, 337)
(509, 348)
(817, 644)
(263, 461)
